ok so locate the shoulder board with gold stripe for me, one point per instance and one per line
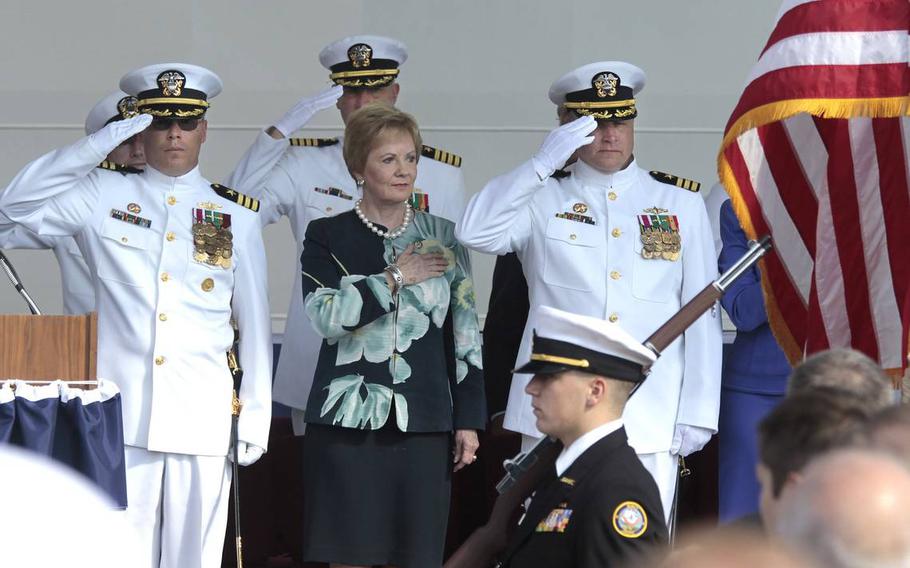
(313, 142)
(250, 203)
(671, 179)
(109, 165)
(441, 156)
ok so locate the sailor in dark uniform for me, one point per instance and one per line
(600, 507)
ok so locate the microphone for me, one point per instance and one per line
(17, 283)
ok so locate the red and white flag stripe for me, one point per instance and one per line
(816, 154)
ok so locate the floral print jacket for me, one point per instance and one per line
(417, 357)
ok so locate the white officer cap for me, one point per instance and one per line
(116, 106)
(174, 90)
(565, 341)
(365, 61)
(604, 90)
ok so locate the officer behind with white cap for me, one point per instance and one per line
(615, 242)
(172, 262)
(601, 507)
(306, 179)
(78, 294)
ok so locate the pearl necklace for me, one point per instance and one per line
(385, 234)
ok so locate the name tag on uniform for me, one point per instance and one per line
(334, 192)
(420, 201)
(556, 521)
(130, 218)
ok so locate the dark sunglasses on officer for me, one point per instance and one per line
(185, 124)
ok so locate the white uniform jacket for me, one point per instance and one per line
(579, 242)
(163, 317)
(306, 183)
(78, 292)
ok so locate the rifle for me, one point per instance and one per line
(236, 406)
(527, 470)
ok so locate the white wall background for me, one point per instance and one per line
(476, 80)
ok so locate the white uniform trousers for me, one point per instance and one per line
(178, 505)
(663, 467)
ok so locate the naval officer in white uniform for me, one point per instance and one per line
(78, 293)
(173, 258)
(306, 179)
(616, 242)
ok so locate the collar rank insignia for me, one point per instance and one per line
(120, 168)
(212, 238)
(334, 192)
(130, 218)
(630, 519)
(250, 203)
(420, 201)
(313, 142)
(556, 521)
(659, 234)
(567, 480)
(671, 179)
(440, 156)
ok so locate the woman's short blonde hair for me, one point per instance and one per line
(367, 125)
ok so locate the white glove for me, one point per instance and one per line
(560, 144)
(115, 133)
(303, 111)
(247, 454)
(689, 439)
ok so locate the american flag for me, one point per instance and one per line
(816, 155)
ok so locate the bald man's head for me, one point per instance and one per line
(850, 510)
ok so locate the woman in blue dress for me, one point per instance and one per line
(754, 378)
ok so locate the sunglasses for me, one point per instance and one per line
(185, 124)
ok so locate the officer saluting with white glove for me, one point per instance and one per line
(173, 258)
(128, 157)
(306, 179)
(614, 242)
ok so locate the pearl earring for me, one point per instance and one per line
(360, 183)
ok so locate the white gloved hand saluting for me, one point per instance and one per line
(306, 108)
(247, 454)
(115, 133)
(560, 144)
(689, 439)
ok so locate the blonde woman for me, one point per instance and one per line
(398, 393)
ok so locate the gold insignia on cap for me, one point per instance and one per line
(605, 84)
(128, 107)
(171, 83)
(208, 285)
(580, 208)
(360, 55)
(133, 208)
(630, 519)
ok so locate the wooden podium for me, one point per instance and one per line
(48, 348)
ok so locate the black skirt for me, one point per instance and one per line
(375, 496)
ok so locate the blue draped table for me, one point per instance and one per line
(79, 427)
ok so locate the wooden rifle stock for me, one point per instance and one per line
(523, 475)
(704, 300)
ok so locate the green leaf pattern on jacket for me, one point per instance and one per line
(335, 314)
